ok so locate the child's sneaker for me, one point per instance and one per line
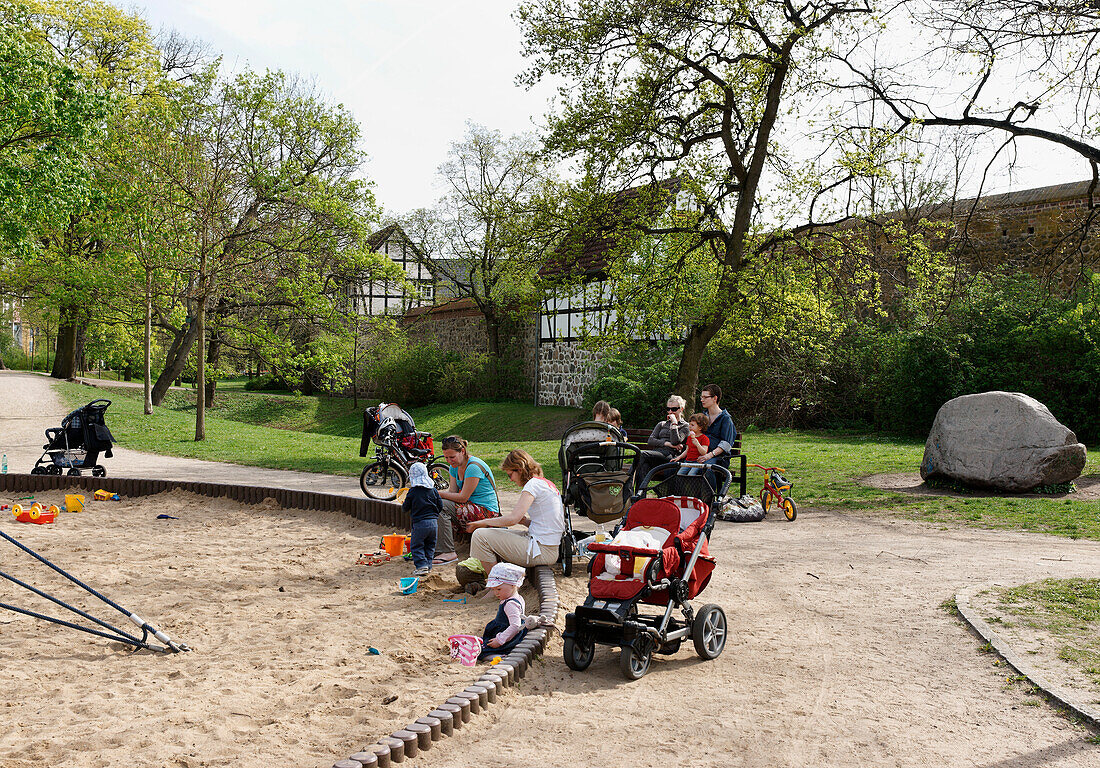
(422, 571)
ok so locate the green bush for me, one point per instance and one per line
(421, 374)
(637, 380)
(265, 382)
(1004, 332)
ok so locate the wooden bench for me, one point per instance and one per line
(738, 461)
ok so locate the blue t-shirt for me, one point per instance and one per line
(485, 494)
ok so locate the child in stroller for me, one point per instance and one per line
(659, 557)
(77, 443)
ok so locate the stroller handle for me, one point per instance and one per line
(722, 480)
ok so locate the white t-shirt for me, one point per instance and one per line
(547, 518)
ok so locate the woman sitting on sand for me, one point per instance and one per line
(472, 495)
(539, 508)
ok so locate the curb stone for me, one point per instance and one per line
(1067, 698)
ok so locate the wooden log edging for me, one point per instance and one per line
(472, 700)
(382, 513)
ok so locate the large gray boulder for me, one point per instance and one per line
(1002, 440)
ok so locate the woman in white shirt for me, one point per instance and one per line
(539, 508)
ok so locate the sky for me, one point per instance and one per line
(412, 72)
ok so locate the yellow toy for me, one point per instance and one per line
(102, 495)
(74, 502)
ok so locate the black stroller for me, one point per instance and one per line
(77, 443)
(597, 471)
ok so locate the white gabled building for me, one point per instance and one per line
(383, 298)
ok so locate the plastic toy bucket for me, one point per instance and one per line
(74, 502)
(465, 648)
(409, 584)
(394, 545)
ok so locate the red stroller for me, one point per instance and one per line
(672, 569)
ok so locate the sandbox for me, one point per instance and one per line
(280, 618)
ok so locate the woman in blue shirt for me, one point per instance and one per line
(472, 495)
(722, 432)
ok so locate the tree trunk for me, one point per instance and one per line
(213, 357)
(492, 335)
(148, 387)
(175, 361)
(200, 357)
(64, 363)
(687, 377)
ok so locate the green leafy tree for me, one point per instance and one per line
(49, 116)
(698, 91)
(482, 237)
(263, 173)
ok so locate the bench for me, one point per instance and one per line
(738, 461)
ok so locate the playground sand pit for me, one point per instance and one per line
(278, 614)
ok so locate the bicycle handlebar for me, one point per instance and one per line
(767, 469)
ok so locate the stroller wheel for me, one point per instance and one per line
(578, 655)
(74, 472)
(98, 471)
(634, 659)
(567, 558)
(708, 631)
(38, 470)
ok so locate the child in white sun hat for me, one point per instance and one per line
(507, 628)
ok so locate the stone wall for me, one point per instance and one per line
(565, 370)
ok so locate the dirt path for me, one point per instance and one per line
(840, 654)
(854, 665)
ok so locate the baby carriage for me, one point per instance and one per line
(77, 443)
(597, 471)
(399, 444)
(658, 558)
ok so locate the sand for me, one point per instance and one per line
(280, 618)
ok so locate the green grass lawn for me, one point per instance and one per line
(321, 434)
(313, 434)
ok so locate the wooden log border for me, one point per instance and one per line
(381, 513)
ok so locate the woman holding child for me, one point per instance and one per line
(721, 432)
(539, 508)
(471, 496)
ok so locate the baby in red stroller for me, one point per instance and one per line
(658, 557)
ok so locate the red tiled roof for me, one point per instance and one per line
(464, 307)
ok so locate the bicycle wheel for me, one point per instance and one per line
(437, 471)
(766, 500)
(789, 509)
(380, 481)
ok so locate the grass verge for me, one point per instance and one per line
(1066, 610)
(319, 434)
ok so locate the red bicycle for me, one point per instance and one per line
(777, 488)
